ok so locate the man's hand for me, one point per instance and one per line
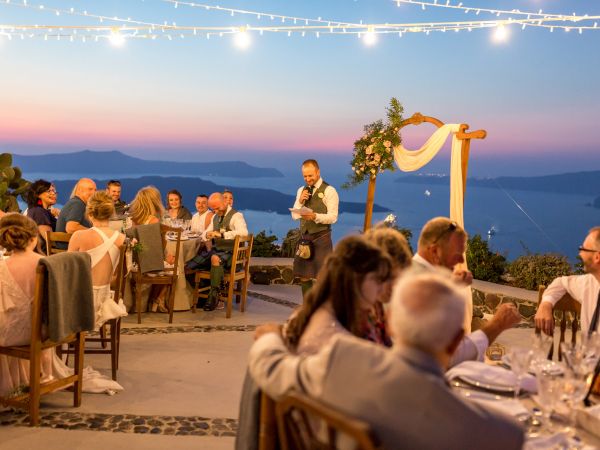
(213, 235)
(506, 317)
(544, 318)
(309, 216)
(261, 330)
(305, 195)
(462, 276)
(55, 211)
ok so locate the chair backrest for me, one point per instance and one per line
(121, 273)
(567, 309)
(40, 298)
(242, 249)
(297, 415)
(175, 235)
(52, 237)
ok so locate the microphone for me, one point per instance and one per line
(310, 192)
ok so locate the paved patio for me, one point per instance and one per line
(182, 383)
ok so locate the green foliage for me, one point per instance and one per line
(530, 271)
(288, 246)
(484, 264)
(265, 246)
(11, 184)
(373, 152)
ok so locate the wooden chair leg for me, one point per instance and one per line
(171, 301)
(230, 299)
(79, 347)
(113, 348)
(138, 301)
(118, 341)
(34, 387)
(244, 291)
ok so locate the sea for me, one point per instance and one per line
(513, 222)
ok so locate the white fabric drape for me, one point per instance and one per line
(411, 160)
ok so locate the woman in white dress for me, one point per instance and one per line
(103, 245)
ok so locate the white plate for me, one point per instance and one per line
(487, 386)
(183, 238)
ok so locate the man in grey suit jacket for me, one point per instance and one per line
(442, 244)
(400, 392)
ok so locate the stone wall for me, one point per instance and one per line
(487, 303)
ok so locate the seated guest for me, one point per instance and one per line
(103, 245)
(203, 217)
(146, 207)
(19, 235)
(40, 198)
(113, 189)
(442, 243)
(400, 392)
(395, 244)
(72, 217)
(228, 197)
(176, 209)
(583, 288)
(348, 286)
(227, 223)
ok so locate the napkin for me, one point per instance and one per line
(558, 440)
(510, 407)
(490, 375)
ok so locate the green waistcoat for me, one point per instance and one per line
(318, 206)
(218, 225)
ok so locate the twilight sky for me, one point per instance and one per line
(204, 99)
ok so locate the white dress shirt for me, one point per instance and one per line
(473, 345)
(330, 199)
(237, 225)
(583, 288)
(198, 221)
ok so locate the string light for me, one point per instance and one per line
(242, 39)
(370, 38)
(500, 34)
(116, 38)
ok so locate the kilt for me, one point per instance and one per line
(322, 246)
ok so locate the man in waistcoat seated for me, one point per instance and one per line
(400, 391)
(227, 223)
(315, 226)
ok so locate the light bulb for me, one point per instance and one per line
(242, 39)
(501, 34)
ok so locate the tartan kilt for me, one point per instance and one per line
(322, 246)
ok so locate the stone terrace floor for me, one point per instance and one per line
(182, 383)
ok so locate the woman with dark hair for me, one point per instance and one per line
(176, 209)
(351, 281)
(40, 198)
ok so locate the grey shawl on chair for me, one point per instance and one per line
(70, 306)
(152, 256)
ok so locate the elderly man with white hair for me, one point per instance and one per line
(401, 392)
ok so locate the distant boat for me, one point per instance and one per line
(491, 232)
(427, 193)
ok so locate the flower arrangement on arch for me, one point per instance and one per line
(373, 152)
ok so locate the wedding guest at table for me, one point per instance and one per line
(227, 223)
(19, 235)
(203, 217)
(146, 207)
(350, 283)
(442, 243)
(395, 244)
(323, 201)
(103, 245)
(72, 217)
(400, 392)
(228, 197)
(176, 209)
(113, 189)
(583, 288)
(41, 196)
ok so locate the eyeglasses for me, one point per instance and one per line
(583, 249)
(51, 191)
(452, 226)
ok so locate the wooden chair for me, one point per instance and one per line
(567, 307)
(32, 352)
(296, 415)
(52, 237)
(165, 277)
(110, 332)
(239, 274)
(268, 438)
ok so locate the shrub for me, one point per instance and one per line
(265, 246)
(484, 264)
(288, 246)
(530, 271)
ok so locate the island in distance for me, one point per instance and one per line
(93, 162)
(256, 199)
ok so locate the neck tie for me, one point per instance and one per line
(594, 322)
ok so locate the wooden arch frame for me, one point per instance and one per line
(417, 119)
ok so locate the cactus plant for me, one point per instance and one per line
(11, 184)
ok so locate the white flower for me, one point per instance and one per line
(369, 150)
(390, 219)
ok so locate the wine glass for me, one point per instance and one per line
(520, 360)
(548, 395)
(572, 389)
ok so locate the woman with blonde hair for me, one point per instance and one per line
(147, 206)
(103, 244)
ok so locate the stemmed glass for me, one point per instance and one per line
(549, 387)
(520, 360)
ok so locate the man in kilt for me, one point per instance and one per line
(315, 226)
